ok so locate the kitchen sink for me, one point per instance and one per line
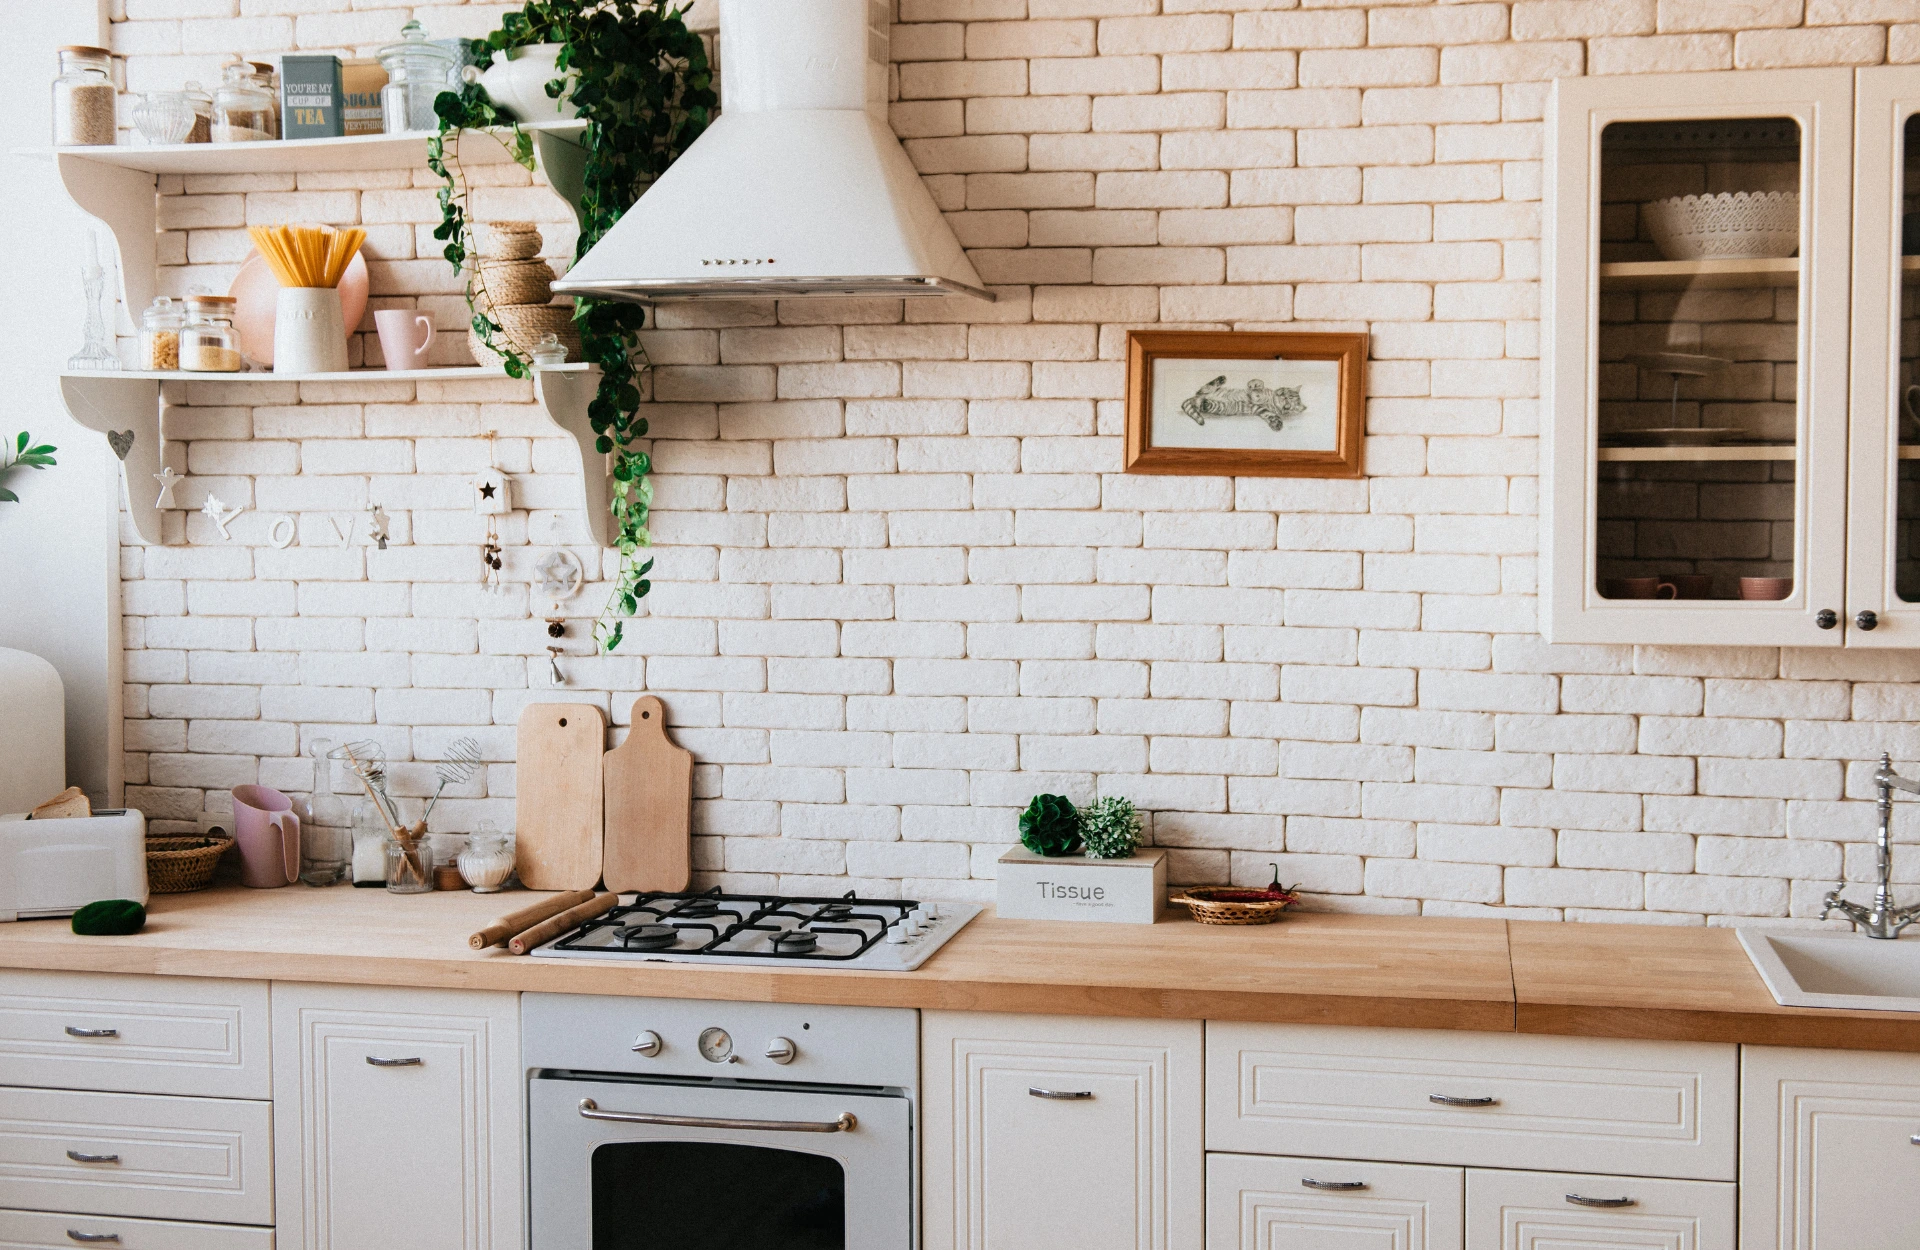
(1837, 970)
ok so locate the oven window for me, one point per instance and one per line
(716, 1196)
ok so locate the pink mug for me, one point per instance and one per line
(269, 836)
(405, 336)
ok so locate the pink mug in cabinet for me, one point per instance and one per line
(269, 837)
(405, 336)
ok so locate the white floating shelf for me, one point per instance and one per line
(1739, 451)
(302, 156)
(448, 373)
(1699, 275)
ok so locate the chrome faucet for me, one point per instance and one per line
(1883, 919)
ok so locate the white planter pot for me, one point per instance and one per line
(517, 79)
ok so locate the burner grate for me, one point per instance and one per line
(658, 922)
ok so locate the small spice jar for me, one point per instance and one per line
(487, 861)
(160, 335)
(243, 110)
(83, 98)
(208, 341)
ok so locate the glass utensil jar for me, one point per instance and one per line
(409, 865)
(208, 342)
(417, 72)
(242, 107)
(160, 335)
(164, 117)
(83, 98)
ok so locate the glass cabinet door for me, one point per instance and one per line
(1883, 532)
(1697, 434)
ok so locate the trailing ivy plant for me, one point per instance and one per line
(23, 456)
(643, 85)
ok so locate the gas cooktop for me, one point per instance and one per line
(765, 930)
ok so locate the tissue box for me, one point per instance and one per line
(1075, 887)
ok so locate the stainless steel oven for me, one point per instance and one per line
(727, 1126)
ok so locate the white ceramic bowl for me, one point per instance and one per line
(1740, 225)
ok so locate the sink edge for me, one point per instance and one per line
(1779, 982)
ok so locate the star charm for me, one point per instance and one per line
(220, 514)
(168, 479)
(486, 491)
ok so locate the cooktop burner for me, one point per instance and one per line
(888, 934)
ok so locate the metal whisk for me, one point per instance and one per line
(367, 760)
(463, 757)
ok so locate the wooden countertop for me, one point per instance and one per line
(1397, 971)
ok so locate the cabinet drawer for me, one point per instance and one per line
(45, 1230)
(142, 1035)
(1256, 1202)
(166, 1158)
(1486, 1099)
(1539, 1211)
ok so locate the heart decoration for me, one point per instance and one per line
(121, 441)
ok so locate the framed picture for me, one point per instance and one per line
(1245, 405)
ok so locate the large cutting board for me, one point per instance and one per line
(558, 813)
(649, 784)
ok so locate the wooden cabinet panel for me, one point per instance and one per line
(1259, 1203)
(1045, 1131)
(137, 1154)
(1579, 1104)
(1830, 1150)
(399, 1118)
(141, 1035)
(1539, 1211)
(51, 1230)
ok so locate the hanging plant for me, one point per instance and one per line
(642, 84)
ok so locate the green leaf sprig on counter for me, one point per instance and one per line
(1050, 826)
(1110, 828)
(644, 87)
(23, 456)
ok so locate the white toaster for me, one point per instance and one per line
(56, 867)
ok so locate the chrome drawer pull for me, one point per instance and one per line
(1447, 1100)
(1338, 1186)
(79, 1032)
(1064, 1094)
(79, 1157)
(590, 1110)
(1579, 1201)
(378, 1062)
(77, 1236)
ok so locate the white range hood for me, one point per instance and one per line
(798, 189)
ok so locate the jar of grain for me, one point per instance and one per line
(208, 342)
(160, 335)
(202, 102)
(83, 98)
(242, 109)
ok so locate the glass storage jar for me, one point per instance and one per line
(83, 98)
(487, 861)
(160, 335)
(243, 109)
(164, 117)
(202, 102)
(370, 838)
(208, 341)
(418, 70)
(409, 865)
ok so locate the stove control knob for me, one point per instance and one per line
(897, 932)
(930, 910)
(648, 1043)
(781, 1050)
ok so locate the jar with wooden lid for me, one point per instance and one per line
(243, 109)
(160, 335)
(84, 113)
(208, 341)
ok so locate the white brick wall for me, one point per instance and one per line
(902, 584)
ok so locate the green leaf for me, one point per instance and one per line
(7, 496)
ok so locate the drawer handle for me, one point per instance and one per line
(1336, 1186)
(82, 1157)
(1448, 1100)
(75, 1235)
(1580, 1201)
(1069, 1095)
(845, 1122)
(75, 1031)
(412, 1062)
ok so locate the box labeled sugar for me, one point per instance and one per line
(310, 98)
(360, 84)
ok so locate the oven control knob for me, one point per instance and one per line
(781, 1050)
(648, 1043)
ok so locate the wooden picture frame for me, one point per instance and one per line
(1276, 416)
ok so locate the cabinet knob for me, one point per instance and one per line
(1866, 618)
(1826, 618)
(782, 1050)
(648, 1044)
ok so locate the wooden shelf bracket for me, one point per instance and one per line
(564, 396)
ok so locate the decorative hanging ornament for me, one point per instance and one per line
(220, 514)
(168, 480)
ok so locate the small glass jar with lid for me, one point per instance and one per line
(84, 112)
(160, 335)
(202, 101)
(242, 108)
(418, 70)
(208, 341)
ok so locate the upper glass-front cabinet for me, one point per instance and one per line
(1694, 458)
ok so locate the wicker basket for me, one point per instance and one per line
(511, 240)
(506, 283)
(178, 865)
(1210, 910)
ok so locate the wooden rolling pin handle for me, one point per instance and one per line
(555, 926)
(497, 933)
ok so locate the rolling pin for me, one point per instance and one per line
(497, 933)
(556, 925)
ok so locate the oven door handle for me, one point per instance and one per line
(590, 1110)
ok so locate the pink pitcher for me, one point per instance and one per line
(269, 836)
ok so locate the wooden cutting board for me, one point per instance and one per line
(558, 812)
(649, 783)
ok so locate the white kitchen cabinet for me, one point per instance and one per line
(1563, 1211)
(1049, 1131)
(398, 1118)
(1257, 1203)
(56, 1230)
(1829, 1150)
